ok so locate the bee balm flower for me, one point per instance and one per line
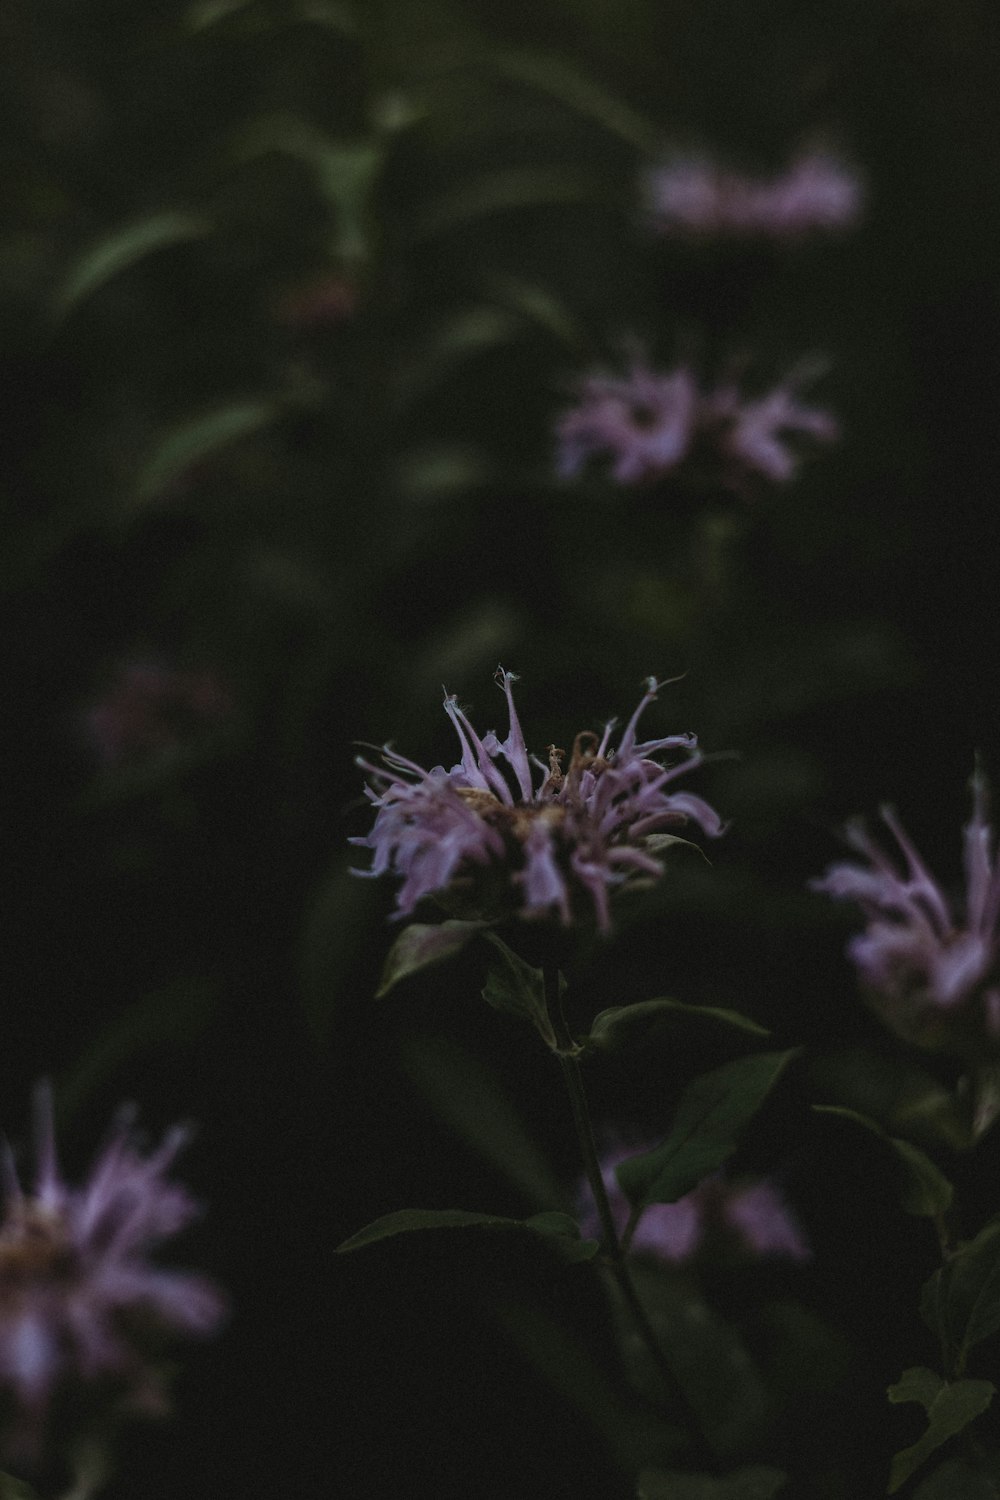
(80, 1302)
(645, 425)
(696, 198)
(556, 833)
(928, 967)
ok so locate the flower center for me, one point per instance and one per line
(34, 1246)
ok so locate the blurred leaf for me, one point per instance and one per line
(623, 1025)
(961, 1301)
(514, 987)
(15, 1489)
(957, 1480)
(174, 1016)
(712, 1114)
(123, 248)
(428, 473)
(472, 1101)
(950, 1408)
(471, 331)
(558, 1230)
(330, 13)
(553, 75)
(421, 944)
(924, 1189)
(542, 308)
(345, 172)
(711, 1361)
(200, 438)
(755, 1483)
(630, 1429)
(507, 189)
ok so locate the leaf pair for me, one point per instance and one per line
(950, 1407)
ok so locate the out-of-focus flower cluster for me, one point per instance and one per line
(645, 424)
(551, 830)
(694, 196)
(81, 1305)
(928, 967)
(749, 1216)
(150, 708)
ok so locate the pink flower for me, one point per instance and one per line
(150, 709)
(694, 196)
(751, 1215)
(928, 967)
(80, 1302)
(645, 425)
(553, 834)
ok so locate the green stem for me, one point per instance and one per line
(567, 1053)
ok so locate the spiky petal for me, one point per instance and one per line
(79, 1296)
(921, 958)
(556, 835)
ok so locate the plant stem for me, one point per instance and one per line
(567, 1053)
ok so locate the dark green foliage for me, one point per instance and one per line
(711, 1116)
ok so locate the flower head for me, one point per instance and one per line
(80, 1303)
(555, 832)
(928, 966)
(695, 197)
(751, 1215)
(645, 425)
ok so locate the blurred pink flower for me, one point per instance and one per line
(322, 301)
(750, 1214)
(646, 424)
(928, 967)
(696, 197)
(151, 708)
(587, 829)
(80, 1302)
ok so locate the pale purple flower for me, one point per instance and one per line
(694, 196)
(553, 833)
(925, 962)
(645, 425)
(79, 1299)
(643, 422)
(751, 1214)
(150, 708)
(754, 434)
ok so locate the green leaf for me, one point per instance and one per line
(422, 944)
(209, 13)
(758, 1482)
(474, 1103)
(623, 1025)
(961, 1301)
(924, 1189)
(122, 248)
(200, 438)
(957, 1480)
(514, 987)
(949, 1407)
(172, 1017)
(551, 74)
(542, 308)
(345, 172)
(15, 1489)
(712, 1114)
(558, 1230)
(502, 191)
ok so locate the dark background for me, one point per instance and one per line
(290, 298)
